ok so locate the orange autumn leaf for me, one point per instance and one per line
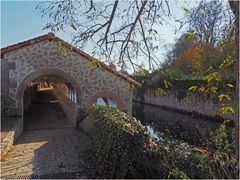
(190, 60)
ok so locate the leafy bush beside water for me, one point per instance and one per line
(120, 142)
(123, 146)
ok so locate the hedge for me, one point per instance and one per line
(121, 142)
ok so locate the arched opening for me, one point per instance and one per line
(105, 101)
(48, 100)
(106, 98)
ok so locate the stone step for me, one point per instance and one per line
(12, 135)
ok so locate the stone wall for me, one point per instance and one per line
(12, 134)
(25, 64)
(181, 114)
(5, 84)
(61, 87)
(183, 100)
(27, 97)
(68, 106)
(86, 124)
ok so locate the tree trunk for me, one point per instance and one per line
(235, 8)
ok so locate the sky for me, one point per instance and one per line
(21, 21)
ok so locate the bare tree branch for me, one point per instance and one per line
(91, 6)
(125, 44)
(112, 28)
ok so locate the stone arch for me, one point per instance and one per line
(46, 71)
(106, 94)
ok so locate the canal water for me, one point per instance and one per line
(176, 125)
(161, 122)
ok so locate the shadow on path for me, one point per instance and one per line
(40, 152)
(45, 112)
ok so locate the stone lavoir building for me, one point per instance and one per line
(77, 79)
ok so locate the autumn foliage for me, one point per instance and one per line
(197, 59)
(189, 61)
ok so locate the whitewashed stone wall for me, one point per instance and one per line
(24, 62)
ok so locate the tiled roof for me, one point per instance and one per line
(51, 36)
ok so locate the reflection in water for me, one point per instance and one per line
(154, 134)
(173, 124)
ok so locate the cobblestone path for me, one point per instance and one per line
(47, 151)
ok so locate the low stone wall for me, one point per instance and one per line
(69, 107)
(13, 134)
(182, 100)
(61, 87)
(86, 124)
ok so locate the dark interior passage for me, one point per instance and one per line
(45, 112)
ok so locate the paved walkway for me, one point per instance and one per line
(50, 144)
(47, 151)
(46, 112)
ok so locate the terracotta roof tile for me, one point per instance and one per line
(51, 36)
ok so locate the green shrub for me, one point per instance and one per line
(215, 161)
(120, 142)
(122, 145)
